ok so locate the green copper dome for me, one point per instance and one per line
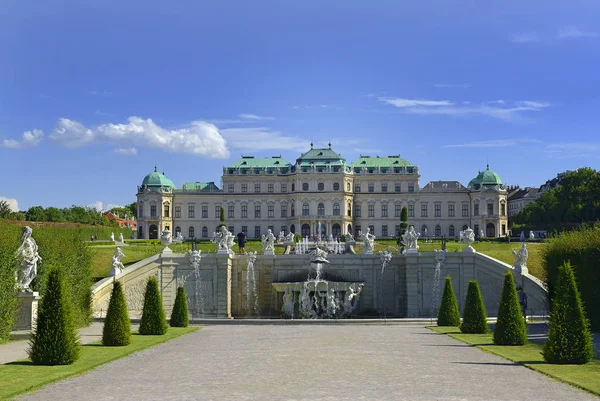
(156, 180)
(486, 177)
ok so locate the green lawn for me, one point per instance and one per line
(585, 376)
(102, 258)
(20, 377)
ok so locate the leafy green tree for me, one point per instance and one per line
(117, 326)
(475, 315)
(449, 315)
(179, 316)
(403, 227)
(54, 341)
(569, 338)
(5, 209)
(222, 218)
(132, 208)
(54, 214)
(153, 320)
(36, 213)
(510, 325)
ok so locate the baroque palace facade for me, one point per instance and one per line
(321, 190)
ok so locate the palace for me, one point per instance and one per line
(322, 191)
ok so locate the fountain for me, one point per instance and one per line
(251, 288)
(194, 257)
(316, 297)
(440, 257)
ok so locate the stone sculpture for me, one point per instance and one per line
(521, 256)
(224, 240)
(117, 265)
(194, 257)
(522, 236)
(410, 240)
(268, 243)
(28, 258)
(468, 237)
(112, 237)
(121, 240)
(368, 241)
(531, 235)
(349, 244)
(481, 234)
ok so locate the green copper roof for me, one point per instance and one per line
(200, 186)
(486, 177)
(156, 179)
(390, 161)
(320, 156)
(260, 162)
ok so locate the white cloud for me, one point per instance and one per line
(572, 32)
(29, 139)
(126, 151)
(494, 109)
(526, 37)
(254, 117)
(97, 205)
(100, 93)
(197, 137)
(12, 203)
(261, 138)
(112, 206)
(494, 143)
(573, 150)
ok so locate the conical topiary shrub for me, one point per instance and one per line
(55, 340)
(117, 327)
(449, 315)
(153, 320)
(510, 326)
(179, 317)
(474, 315)
(569, 338)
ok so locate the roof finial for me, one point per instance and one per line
(155, 168)
(311, 144)
(488, 163)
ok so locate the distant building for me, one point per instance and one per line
(129, 222)
(322, 191)
(518, 198)
(553, 183)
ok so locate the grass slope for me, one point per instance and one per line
(22, 376)
(585, 376)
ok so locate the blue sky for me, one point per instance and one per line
(94, 94)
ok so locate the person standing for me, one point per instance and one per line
(241, 237)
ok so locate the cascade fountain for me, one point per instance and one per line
(194, 257)
(440, 257)
(318, 298)
(251, 287)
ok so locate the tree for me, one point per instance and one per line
(403, 227)
(5, 209)
(179, 316)
(54, 214)
(569, 337)
(475, 315)
(449, 314)
(132, 208)
(153, 320)
(117, 326)
(510, 325)
(36, 213)
(222, 218)
(54, 341)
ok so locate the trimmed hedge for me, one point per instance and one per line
(55, 340)
(569, 338)
(582, 248)
(474, 315)
(153, 320)
(117, 326)
(179, 316)
(449, 315)
(510, 326)
(8, 299)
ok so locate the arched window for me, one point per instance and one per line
(293, 229)
(336, 209)
(305, 209)
(349, 210)
(305, 186)
(305, 230)
(321, 186)
(451, 231)
(292, 210)
(347, 186)
(177, 230)
(141, 209)
(191, 232)
(321, 209)
(336, 186)
(438, 231)
(293, 187)
(204, 232)
(424, 230)
(490, 230)
(336, 230)
(140, 232)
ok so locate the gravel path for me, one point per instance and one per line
(311, 363)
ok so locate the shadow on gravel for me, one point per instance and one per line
(488, 363)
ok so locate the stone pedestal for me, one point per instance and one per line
(411, 251)
(28, 309)
(114, 271)
(469, 249)
(222, 251)
(269, 252)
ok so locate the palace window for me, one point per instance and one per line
(356, 187)
(153, 211)
(503, 210)
(490, 209)
(383, 187)
(356, 210)
(384, 231)
(411, 187)
(245, 229)
(257, 211)
(438, 231)
(271, 188)
(305, 186)
(438, 210)
(229, 187)
(397, 210)
(217, 212)
(167, 210)
(397, 187)
(336, 186)
(371, 187)
(411, 210)
(321, 186)
(293, 187)
(348, 186)
(384, 211)
(191, 232)
(231, 229)
(270, 211)
(283, 187)
(256, 188)
(177, 212)
(283, 210)
(284, 229)
(336, 209)
(451, 231)
(424, 230)
(191, 211)
(321, 209)
(465, 210)
(244, 212)
(256, 231)
(371, 209)
(292, 210)
(305, 209)
(423, 210)
(372, 229)
(244, 187)
(272, 228)
(204, 232)
(230, 212)
(476, 209)
(205, 212)
(451, 210)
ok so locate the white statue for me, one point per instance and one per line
(349, 244)
(521, 256)
(165, 238)
(289, 237)
(112, 237)
(178, 237)
(368, 241)
(281, 236)
(531, 235)
(481, 234)
(468, 237)
(522, 236)
(194, 258)
(222, 238)
(268, 242)
(410, 239)
(117, 265)
(121, 240)
(28, 257)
